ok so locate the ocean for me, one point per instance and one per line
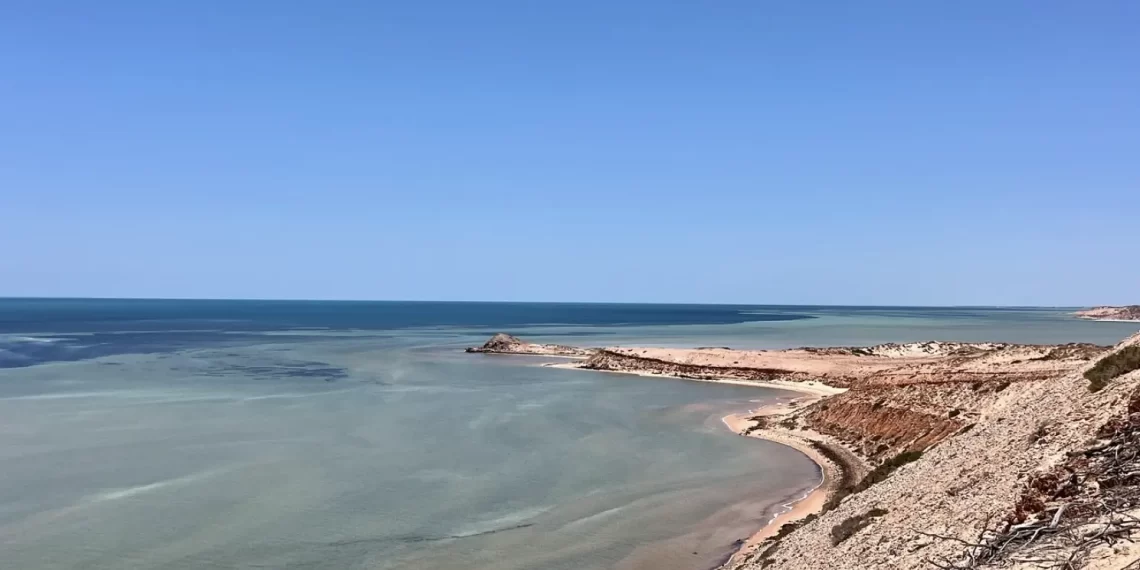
(301, 434)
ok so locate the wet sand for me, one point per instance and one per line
(811, 502)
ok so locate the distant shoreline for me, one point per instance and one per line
(1125, 314)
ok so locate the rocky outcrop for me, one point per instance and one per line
(880, 425)
(503, 343)
(1127, 313)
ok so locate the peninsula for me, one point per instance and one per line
(935, 454)
(1126, 313)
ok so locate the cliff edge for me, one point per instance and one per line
(1037, 473)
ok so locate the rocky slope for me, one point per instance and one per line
(992, 476)
(1128, 313)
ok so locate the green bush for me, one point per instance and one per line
(1109, 367)
(852, 525)
(884, 469)
(879, 473)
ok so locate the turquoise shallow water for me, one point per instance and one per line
(169, 434)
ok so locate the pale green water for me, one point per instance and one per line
(131, 444)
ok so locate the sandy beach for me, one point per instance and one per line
(809, 503)
(811, 388)
(831, 474)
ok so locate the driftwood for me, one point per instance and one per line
(1093, 493)
(1070, 552)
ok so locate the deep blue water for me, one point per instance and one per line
(69, 315)
(34, 331)
(87, 328)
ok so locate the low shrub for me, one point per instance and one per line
(1122, 362)
(852, 525)
(761, 423)
(879, 473)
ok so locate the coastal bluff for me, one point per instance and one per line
(936, 454)
(1125, 313)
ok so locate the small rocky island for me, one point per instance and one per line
(1127, 313)
(503, 343)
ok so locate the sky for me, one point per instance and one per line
(929, 153)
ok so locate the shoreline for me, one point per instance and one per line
(810, 502)
(1119, 314)
(809, 388)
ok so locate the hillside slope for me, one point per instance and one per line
(1012, 457)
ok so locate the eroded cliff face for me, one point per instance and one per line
(913, 408)
(881, 421)
(876, 426)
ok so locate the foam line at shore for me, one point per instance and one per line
(811, 501)
(788, 511)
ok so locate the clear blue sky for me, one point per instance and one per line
(970, 152)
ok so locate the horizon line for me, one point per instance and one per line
(300, 300)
